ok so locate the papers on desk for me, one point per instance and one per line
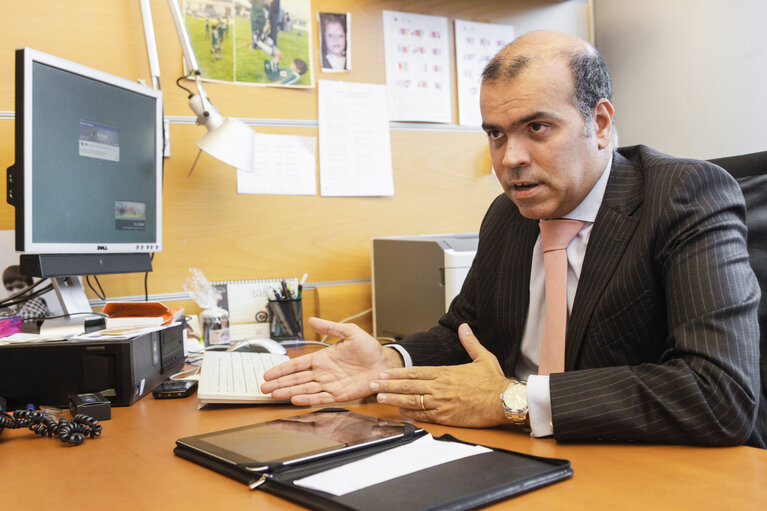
(420, 454)
(116, 334)
(21, 338)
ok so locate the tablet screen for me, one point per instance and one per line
(295, 439)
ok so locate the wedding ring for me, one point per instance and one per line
(423, 406)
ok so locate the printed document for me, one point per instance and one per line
(475, 44)
(417, 67)
(420, 454)
(355, 146)
(283, 165)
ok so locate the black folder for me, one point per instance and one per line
(467, 483)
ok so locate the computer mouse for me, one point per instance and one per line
(260, 345)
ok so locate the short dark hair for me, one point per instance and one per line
(13, 273)
(300, 66)
(591, 78)
(591, 81)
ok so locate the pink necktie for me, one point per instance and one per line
(555, 236)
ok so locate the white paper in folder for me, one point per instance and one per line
(246, 300)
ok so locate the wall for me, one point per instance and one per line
(689, 76)
(442, 174)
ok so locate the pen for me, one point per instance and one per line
(301, 285)
(285, 291)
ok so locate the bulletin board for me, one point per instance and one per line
(442, 173)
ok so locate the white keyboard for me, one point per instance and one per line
(235, 377)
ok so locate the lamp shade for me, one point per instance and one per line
(232, 142)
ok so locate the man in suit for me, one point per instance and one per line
(662, 336)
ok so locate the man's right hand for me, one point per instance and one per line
(342, 372)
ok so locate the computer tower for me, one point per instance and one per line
(415, 278)
(123, 370)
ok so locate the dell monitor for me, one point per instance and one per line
(87, 181)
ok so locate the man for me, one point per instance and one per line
(662, 336)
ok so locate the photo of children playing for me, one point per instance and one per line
(252, 41)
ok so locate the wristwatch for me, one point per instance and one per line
(514, 400)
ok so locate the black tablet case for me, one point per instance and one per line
(466, 483)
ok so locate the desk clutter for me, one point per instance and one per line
(272, 302)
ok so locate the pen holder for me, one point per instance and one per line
(285, 319)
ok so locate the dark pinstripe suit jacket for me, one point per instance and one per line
(663, 339)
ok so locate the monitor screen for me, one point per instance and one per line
(89, 149)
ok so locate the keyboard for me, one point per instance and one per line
(235, 377)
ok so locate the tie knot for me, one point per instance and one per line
(557, 234)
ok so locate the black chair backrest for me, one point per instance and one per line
(751, 172)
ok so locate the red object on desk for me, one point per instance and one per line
(141, 312)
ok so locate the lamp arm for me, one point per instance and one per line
(206, 113)
(151, 43)
(183, 36)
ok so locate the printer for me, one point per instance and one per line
(415, 278)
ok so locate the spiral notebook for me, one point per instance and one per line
(245, 300)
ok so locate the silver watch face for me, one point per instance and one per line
(515, 397)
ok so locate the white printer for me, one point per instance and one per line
(415, 278)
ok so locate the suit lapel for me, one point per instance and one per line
(612, 230)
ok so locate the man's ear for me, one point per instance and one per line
(603, 119)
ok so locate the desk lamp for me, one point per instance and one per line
(228, 139)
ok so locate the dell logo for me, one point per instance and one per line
(101, 247)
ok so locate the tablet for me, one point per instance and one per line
(295, 439)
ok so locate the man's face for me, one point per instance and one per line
(545, 158)
(335, 38)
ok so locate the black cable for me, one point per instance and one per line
(6, 303)
(70, 314)
(70, 433)
(179, 84)
(146, 280)
(23, 292)
(100, 296)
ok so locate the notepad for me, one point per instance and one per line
(245, 300)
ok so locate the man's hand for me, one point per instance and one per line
(463, 395)
(340, 373)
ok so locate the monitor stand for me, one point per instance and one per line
(71, 295)
(74, 302)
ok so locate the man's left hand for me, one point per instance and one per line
(463, 395)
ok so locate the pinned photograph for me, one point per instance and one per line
(265, 42)
(335, 42)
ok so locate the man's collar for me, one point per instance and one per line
(587, 210)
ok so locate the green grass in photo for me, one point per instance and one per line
(212, 68)
(237, 60)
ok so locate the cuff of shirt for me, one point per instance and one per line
(403, 353)
(539, 405)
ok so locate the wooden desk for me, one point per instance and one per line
(132, 466)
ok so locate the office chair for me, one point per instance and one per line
(751, 172)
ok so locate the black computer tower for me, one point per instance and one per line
(47, 373)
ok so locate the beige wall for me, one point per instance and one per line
(442, 178)
(689, 75)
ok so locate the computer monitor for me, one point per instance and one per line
(87, 181)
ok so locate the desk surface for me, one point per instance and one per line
(132, 466)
